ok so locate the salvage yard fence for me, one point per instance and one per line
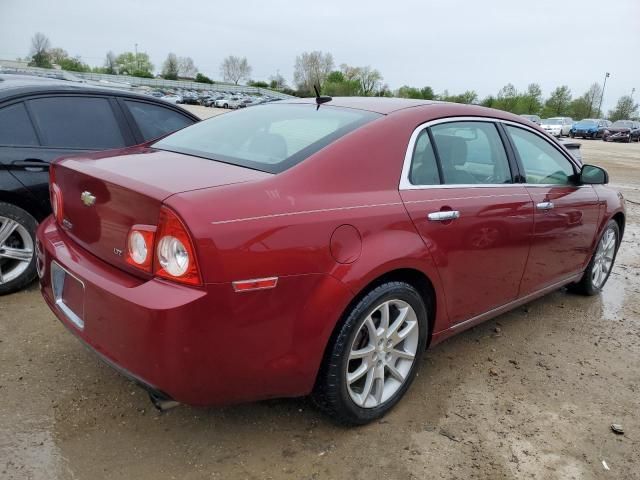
(127, 81)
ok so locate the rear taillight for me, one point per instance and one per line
(175, 256)
(56, 202)
(140, 244)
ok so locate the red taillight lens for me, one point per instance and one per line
(140, 243)
(175, 256)
(56, 202)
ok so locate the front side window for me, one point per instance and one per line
(270, 138)
(15, 126)
(154, 120)
(77, 122)
(542, 163)
(471, 153)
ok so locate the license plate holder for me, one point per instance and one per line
(68, 294)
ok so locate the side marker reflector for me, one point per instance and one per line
(255, 284)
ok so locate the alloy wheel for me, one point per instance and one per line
(382, 353)
(16, 249)
(603, 260)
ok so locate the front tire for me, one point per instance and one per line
(17, 247)
(373, 355)
(601, 264)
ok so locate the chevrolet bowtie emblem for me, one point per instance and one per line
(87, 198)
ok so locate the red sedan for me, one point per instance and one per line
(298, 248)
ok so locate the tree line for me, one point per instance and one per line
(318, 69)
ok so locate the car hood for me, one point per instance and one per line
(584, 126)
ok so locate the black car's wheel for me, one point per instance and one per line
(601, 264)
(17, 247)
(373, 355)
(594, 135)
(571, 134)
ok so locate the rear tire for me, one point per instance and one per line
(368, 366)
(17, 242)
(599, 269)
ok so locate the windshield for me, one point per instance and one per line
(622, 123)
(551, 121)
(270, 138)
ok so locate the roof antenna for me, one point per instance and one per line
(320, 99)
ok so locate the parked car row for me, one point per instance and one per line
(209, 98)
(593, 128)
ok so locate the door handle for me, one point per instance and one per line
(32, 164)
(443, 215)
(545, 205)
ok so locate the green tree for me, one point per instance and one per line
(470, 96)
(507, 98)
(73, 64)
(530, 102)
(558, 104)
(625, 109)
(259, 84)
(580, 108)
(489, 101)
(110, 64)
(338, 85)
(200, 78)
(128, 63)
(40, 46)
(410, 92)
(427, 93)
(170, 67)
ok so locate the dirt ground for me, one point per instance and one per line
(530, 394)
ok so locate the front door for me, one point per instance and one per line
(476, 222)
(566, 214)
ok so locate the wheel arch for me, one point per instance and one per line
(28, 205)
(620, 219)
(414, 277)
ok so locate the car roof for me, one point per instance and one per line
(13, 85)
(382, 105)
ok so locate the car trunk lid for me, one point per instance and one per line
(104, 195)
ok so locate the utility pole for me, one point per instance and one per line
(602, 94)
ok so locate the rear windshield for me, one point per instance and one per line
(270, 138)
(552, 121)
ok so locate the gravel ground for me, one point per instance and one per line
(530, 394)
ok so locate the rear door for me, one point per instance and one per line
(458, 187)
(566, 214)
(63, 125)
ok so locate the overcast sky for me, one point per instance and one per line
(448, 44)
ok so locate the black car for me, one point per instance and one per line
(622, 131)
(42, 119)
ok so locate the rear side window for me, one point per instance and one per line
(16, 127)
(270, 138)
(156, 121)
(77, 122)
(470, 153)
(542, 163)
(424, 168)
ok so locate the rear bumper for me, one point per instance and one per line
(206, 346)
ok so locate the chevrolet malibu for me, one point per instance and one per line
(304, 247)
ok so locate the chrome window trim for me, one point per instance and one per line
(405, 183)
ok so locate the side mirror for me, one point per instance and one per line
(592, 175)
